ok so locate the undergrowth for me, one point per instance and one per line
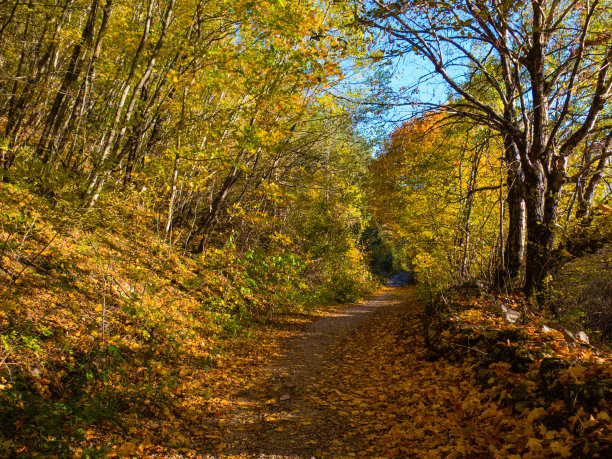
(104, 324)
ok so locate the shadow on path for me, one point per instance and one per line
(400, 279)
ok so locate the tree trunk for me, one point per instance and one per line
(76, 113)
(542, 198)
(217, 205)
(539, 237)
(586, 198)
(587, 191)
(515, 242)
(117, 133)
(58, 108)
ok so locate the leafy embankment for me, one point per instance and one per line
(114, 340)
(556, 378)
(385, 397)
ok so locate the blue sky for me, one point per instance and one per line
(410, 85)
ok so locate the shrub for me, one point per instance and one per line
(581, 293)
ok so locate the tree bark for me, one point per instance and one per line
(539, 233)
(117, 133)
(514, 250)
(56, 113)
(216, 206)
(587, 193)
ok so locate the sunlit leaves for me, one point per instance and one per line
(423, 194)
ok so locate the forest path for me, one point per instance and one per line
(357, 383)
(284, 414)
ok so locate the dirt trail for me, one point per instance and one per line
(285, 416)
(358, 384)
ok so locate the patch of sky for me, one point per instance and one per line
(384, 94)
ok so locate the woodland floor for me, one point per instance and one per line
(357, 383)
(288, 413)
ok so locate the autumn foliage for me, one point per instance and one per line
(173, 173)
(185, 185)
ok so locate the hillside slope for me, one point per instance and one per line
(102, 322)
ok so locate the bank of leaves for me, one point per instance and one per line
(400, 400)
(115, 341)
(538, 367)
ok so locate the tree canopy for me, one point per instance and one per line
(538, 74)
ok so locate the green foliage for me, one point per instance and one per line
(580, 289)
(382, 254)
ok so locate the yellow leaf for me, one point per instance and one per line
(603, 416)
(557, 448)
(577, 372)
(534, 443)
(605, 210)
(536, 413)
(557, 405)
(126, 449)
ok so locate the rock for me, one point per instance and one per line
(491, 335)
(474, 285)
(480, 284)
(568, 335)
(524, 356)
(512, 315)
(521, 360)
(552, 365)
(582, 337)
(498, 308)
(547, 329)
(513, 334)
(285, 397)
